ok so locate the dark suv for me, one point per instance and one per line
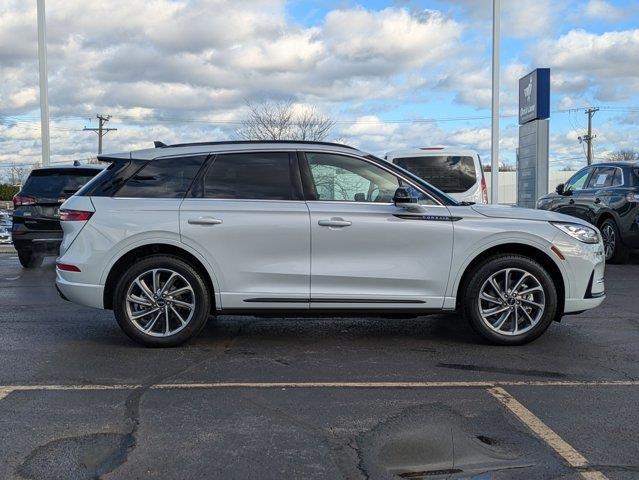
(606, 195)
(36, 230)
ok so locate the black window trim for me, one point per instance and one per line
(311, 194)
(297, 191)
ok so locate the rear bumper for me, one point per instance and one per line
(81, 293)
(45, 241)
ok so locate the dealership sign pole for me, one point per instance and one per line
(494, 134)
(532, 160)
(44, 96)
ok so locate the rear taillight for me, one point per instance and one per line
(20, 200)
(484, 190)
(67, 267)
(74, 215)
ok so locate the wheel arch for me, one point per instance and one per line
(131, 256)
(519, 249)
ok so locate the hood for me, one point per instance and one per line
(517, 213)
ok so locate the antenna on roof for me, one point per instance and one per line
(159, 144)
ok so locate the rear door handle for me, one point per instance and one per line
(334, 222)
(571, 202)
(204, 221)
(597, 200)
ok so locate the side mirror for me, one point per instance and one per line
(402, 197)
(560, 189)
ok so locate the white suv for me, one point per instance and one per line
(454, 171)
(168, 236)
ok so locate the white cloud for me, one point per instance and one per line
(603, 11)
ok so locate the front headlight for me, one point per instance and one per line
(580, 232)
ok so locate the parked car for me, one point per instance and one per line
(454, 171)
(168, 236)
(607, 196)
(5, 235)
(36, 227)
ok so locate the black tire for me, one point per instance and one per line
(29, 258)
(482, 272)
(201, 297)
(618, 253)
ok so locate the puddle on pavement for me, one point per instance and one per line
(77, 458)
(430, 442)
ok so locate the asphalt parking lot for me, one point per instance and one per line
(329, 398)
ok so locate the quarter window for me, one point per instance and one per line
(163, 178)
(252, 176)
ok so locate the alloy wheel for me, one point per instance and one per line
(609, 240)
(160, 302)
(511, 301)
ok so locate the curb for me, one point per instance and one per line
(8, 249)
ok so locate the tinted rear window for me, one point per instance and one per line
(452, 174)
(56, 183)
(163, 178)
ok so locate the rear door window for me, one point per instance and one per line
(250, 176)
(51, 183)
(163, 178)
(604, 177)
(450, 173)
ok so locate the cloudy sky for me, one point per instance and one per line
(392, 74)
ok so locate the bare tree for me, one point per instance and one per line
(17, 174)
(623, 155)
(270, 120)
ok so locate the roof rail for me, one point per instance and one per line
(239, 142)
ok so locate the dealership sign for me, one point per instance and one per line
(534, 96)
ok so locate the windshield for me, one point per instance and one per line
(56, 183)
(450, 173)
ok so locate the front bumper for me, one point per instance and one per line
(585, 264)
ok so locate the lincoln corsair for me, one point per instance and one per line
(168, 236)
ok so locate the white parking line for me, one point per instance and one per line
(554, 441)
(275, 385)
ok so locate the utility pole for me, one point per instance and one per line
(101, 131)
(44, 95)
(494, 129)
(589, 137)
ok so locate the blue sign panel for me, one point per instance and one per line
(534, 96)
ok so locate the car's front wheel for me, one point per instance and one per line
(161, 301)
(509, 299)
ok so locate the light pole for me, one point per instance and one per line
(494, 128)
(44, 95)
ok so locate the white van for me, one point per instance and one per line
(455, 171)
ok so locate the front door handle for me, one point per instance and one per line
(204, 221)
(334, 222)
(597, 200)
(571, 202)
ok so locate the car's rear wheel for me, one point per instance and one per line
(29, 259)
(161, 301)
(615, 250)
(509, 299)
